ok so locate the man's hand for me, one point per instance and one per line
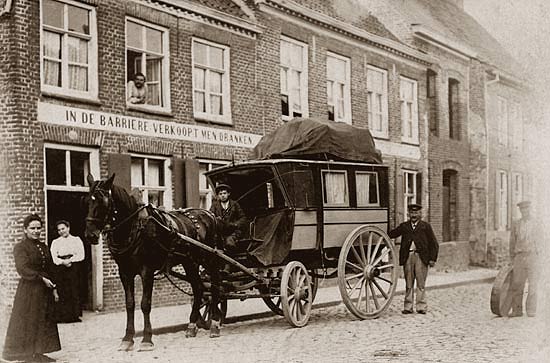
(431, 263)
(55, 295)
(48, 283)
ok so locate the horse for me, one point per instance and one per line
(143, 239)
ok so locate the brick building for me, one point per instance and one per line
(477, 159)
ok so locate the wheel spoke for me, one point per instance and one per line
(383, 267)
(301, 281)
(354, 266)
(380, 289)
(374, 298)
(360, 281)
(382, 255)
(358, 302)
(373, 255)
(366, 296)
(385, 279)
(362, 250)
(369, 246)
(357, 257)
(354, 276)
(302, 309)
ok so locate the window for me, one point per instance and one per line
(147, 53)
(367, 189)
(338, 88)
(377, 101)
(409, 110)
(68, 166)
(502, 119)
(502, 200)
(412, 184)
(211, 98)
(152, 176)
(454, 111)
(431, 84)
(294, 101)
(69, 49)
(517, 191)
(335, 188)
(205, 191)
(516, 121)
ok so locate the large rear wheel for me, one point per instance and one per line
(296, 294)
(501, 299)
(367, 272)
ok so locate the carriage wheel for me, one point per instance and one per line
(367, 272)
(501, 299)
(205, 318)
(273, 302)
(296, 294)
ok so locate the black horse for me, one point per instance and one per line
(143, 239)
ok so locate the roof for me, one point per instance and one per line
(237, 8)
(445, 18)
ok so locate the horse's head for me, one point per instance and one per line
(99, 203)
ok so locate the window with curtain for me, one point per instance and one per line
(294, 91)
(211, 95)
(377, 101)
(147, 54)
(335, 188)
(338, 88)
(409, 110)
(151, 176)
(69, 49)
(367, 189)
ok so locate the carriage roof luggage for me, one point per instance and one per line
(312, 138)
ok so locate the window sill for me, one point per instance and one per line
(380, 137)
(204, 118)
(82, 99)
(150, 109)
(410, 142)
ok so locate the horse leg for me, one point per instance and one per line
(146, 298)
(128, 284)
(214, 309)
(192, 272)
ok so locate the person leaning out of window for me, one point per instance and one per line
(137, 90)
(32, 329)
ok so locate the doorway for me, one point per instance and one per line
(450, 194)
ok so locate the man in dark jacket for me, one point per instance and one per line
(418, 250)
(232, 218)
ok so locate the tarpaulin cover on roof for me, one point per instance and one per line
(318, 139)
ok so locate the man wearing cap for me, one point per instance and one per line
(229, 213)
(419, 249)
(523, 251)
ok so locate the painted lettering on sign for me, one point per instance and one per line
(76, 117)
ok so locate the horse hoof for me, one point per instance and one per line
(191, 331)
(215, 329)
(146, 346)
(125, 346)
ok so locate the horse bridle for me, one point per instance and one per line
(107, 197)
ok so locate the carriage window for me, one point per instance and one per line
(150, 175)
(335, 188)
(367, 189)
(205, 191)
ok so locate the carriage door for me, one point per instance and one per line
(66, 168)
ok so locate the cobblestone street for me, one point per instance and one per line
(459, 327)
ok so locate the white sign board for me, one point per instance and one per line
(79, 117)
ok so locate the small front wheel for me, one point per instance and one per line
(296, 294)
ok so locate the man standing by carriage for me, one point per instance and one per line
(231, 216)
(419, 249)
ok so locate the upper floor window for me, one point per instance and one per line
(211, 94)
(338, 88)
(335, 188)
(147, 65)
(377, 101)
(69, 49)
(516, 120)
(151, 175)
(205, 191)
(408, 92)
(454, 109)
(294, 91)
(502, 120)
(367, 189)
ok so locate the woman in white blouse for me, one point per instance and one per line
(66, 250)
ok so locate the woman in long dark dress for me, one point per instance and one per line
(32, 330)
(67, 251)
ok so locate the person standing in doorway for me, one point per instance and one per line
(32, 330)
(523, 254)
(67, 251)
(418, 251)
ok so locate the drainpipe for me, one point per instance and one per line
(487, 150)
(7, 7)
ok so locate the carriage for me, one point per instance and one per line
(312, 215)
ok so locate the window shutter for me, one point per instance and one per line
(419, 189)
(178, 172)
(119, 164)
(399, 197)
(192, 195)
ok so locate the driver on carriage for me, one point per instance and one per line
(231, 218)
